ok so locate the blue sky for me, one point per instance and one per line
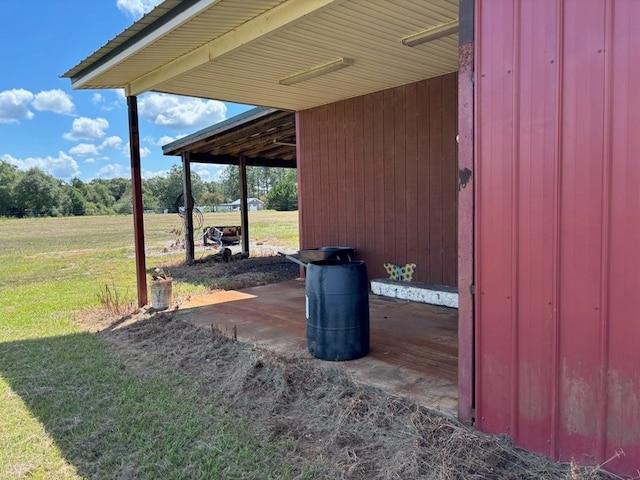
(83, 133)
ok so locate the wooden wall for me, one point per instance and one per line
(379, 173)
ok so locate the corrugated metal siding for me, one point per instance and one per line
(557, 238)
(379, 173)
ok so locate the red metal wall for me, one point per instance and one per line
(557, 231)
(379, 173)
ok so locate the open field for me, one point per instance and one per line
(89, 392)
(70, 409)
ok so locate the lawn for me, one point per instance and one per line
(70, 407)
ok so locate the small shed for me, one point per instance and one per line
(253, 205)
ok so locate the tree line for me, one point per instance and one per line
(33, 192)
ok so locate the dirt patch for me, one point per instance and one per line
(361, 432)
(264, 266)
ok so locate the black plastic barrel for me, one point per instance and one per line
(337, 310)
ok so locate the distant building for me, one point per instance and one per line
(254, 204)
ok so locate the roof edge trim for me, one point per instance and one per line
(176, 16)
(175, 147)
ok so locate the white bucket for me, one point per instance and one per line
(161, 295)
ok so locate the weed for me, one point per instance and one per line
(110, 299)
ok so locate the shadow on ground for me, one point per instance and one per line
(119, 416)
(151, 395)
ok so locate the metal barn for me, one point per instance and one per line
(530, 213)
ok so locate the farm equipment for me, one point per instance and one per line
(221, 236)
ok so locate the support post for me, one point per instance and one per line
(466, 218)
(187, 194)
(136, 194)
(244, 208)
(301, 190)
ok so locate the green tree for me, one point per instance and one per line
(117, 187)
(230, 183)
(283, 196)
(99, 194)
(155, 187)
(149, 201)
(78, 202)
(9, 176)
(38, 193)
(211, 198)
(171, 196)
(124, 205)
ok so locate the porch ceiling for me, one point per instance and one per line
(241, 50)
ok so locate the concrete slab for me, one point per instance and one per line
(413, 345)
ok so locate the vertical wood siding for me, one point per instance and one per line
(379, 173)
(557, 199)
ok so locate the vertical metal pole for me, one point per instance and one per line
(187, 194)
(301, 191)
(244, 210)
(136, 194)
(466, 340)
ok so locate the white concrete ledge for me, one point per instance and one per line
(416, 292)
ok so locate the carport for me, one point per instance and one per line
(374, 87)
(261, 137)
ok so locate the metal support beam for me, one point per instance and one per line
(188, 208)
(466, 170)
(244, 205)
(136, 194)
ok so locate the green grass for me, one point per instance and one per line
(70, 408)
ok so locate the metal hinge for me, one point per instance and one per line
(472, 289)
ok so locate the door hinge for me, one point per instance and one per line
(472, 289)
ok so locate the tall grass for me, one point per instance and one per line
(70, 408)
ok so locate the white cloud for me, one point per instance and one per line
(56, 101)
(62, 166)
(144, 151)
(84, 149)
(137, 8)
(163, 140)
(180, 112)
(147, 174)
(90, 160)
(84, 128)
(113, 170)
(112, 101)
(14, 105)
(113, 142)
(206, 172)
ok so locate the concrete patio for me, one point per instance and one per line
(414, 346)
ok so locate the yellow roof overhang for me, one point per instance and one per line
(287, 54)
